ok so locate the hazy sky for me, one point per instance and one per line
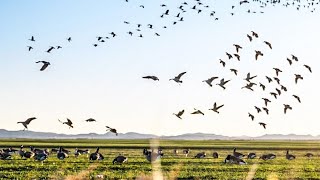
(105, 82)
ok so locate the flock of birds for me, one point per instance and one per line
(200, 7)
(150, 155)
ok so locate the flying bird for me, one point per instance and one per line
(249, 77)
(209, 81)
(90, 120)
(268, 43)
(50, 49)
(258, 109)
(262, 86)
(27, 122)
(254, 34)
(223, 63)
(266, 101)
(258, 53)
(290, 61)
(263, 124)
(249, 86)
(29, 48)
(269, 79)
(222, 83)
(112, 130)
(297, 97)
(250, 37)
(216, 108)
(69, 39)
(44, 66)
(180, 113)
(238, 47)
(68, 122)
(155, 78)
(266, 110)
(298, 76)
(286, 107)
(251, 116)
(277, 71)
(234, 71)
(196, 111)
(308, 67)
(32, 39)
(229, 55)
(177, 78)
(274, 94)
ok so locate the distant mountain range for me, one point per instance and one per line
(131, 135)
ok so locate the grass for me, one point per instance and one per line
(172, 166)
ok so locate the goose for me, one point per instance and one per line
(266, 110)
(249, 86)
(297, 77)
(254, 34)
(263, 124)
(215, 155)
(283, 88)
(269, 79)
(294, 57)
(50, 49)
(234, 160)
(175, 151)
(96, 155)
(258, 53)
(309, 155)
(277, 71)
(216, 107)
(41, 156)
(112, 130)
(234, 71)
(223, 63)
(120, 159)
(91, 120)
(59, 47)
(237, 56)
(266, 101)
(68, 122)
(237, 154)
(180, 113)
(177, 78)
(249, 77)
(290, 61)
(277, 79)
(229, 55)
(186, 152)
(249, 37)
(262, 86)
(32, 39)
(258, 109)
(29, 48)
(151, 156)
(79, 152)
(155, 78)
(200, 155)
(268, 156)
(268, 43)
(61, 155)
(244, 1)
(209, 81)
(290, 156)
(252, 155)
(44, 66)
(29, 154)
(297, 97)
(27, 122)
(222, 83)
(69, 39)
(278, 91)
(4, 155)
(10, 150)
(251, 116)
(274, 94)
(308, 67)
(113, 34)
(286, 107)
(237, 47)
(196, 111)
(21, 151)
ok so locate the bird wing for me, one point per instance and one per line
(180, 113)
(69, 121)
(219, 106)
(211, 79)
(181, 74)
(30, 119)
(45, 65)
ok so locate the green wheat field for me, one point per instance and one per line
(172, 166)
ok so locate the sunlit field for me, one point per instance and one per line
(172, 166)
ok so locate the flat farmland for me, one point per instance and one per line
(171, 166)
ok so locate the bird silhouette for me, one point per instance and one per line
(180, 113)
(90, 120)
(251, 116)
(258, 109)
(112, 130)
(155, 78)
(268, 43)
(223, 63)
(50, 49)
(249, 86)
(68, 123)
(29, 48)
(249, 77)
(254, 34)
(263, 124)
(266, 110)
(196, 111)
(297, 97)
(269, 79)
(234, 71)
(32, 39)
(216, 107)
(177, 78)
(286, 107)
(27, 122)
(297, 77)
(44, 66)
(209, 81)
(238, 47)
(274, 94)
(262, 86)
(266, 101)
(277, 71)
(229, 55)
(222, 83)
(249, 37)
(69, 39)
(308, 67)
(290, 61)
(258, 53)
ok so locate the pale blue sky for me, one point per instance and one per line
(105, 82)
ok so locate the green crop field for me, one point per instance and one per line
(171, 166)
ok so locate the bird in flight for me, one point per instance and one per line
(298, 76)
(177, 78)
(308, 67)
(277, 71)
(44, 66)
(290, 61)
(254, 34)
(258, 109)
(155, 78)
(258, 53)
(216, 107)
(251, 116)
(266, 110)
(262, 86)
(222, 83)
(69, 39)
(68, 122)
(234, 71)
(249, 37)
(266, 101)
(32, 39)
(112, 130)
(249, 77)
(297, 97)
(263, 124)
(238, 47)
(223, 63)
(268, 43)
(197, 111)
(286, 107)
(27, 122)
(249, 86)
(29, 48)
(50, 49)
(209, 81)
(91, 120)
(180, 113)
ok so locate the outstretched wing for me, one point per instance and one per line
(181, 113)
(69, 121)
(220, 106)
(45, 65)
(181, 74)
(30, 119)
